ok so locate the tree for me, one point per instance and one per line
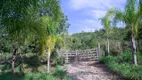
(106, 21)
(20, 22)
(131, 16)
(55, 23)
(23, 21)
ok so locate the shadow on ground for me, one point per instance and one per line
(10, 76)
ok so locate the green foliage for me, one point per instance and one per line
(61, 60)
(57, 59)
(121, 64)
(31, 26)
(33, 61)
(124, 57)
(87, 40)
(4, 56)
(61, 73)
(39, 76)
(28, 76)
(106, 21)
(139, 55)
(24, 21)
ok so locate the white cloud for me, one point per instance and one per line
(92, 24)
(91, 11)
(95, 4)
(81, 4)
(86, 26)
(95, 8)
(96, 14)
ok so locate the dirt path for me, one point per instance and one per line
(90, 71)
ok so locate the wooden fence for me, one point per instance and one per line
(81, 55)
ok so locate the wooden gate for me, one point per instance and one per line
(80, 55)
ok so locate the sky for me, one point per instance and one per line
(84, 15)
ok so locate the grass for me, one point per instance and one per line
(32, 69)
(56, 74)
(123, 66)
(60, 73)
(27, 76)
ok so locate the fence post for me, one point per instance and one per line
(76, 56)
(67, 56)
(98, 51)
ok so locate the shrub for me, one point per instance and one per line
(39, 76)
(124, 57)
(61, 60)
(122, 65)
(139, 56)
(116, 50)
(28, 76)
(60, 73)
(57, 59)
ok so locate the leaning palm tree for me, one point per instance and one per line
(131, 17)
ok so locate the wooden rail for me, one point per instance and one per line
(80, 55)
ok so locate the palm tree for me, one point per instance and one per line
(50, 47)
(54, 22)
(22, 21)
(131, 16)
(106, 21)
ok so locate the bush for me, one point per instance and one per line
(28, 76)
(116, 50)
(122, 65)
(61, 60)
(139, 56)
(57, 59)
(124, 57)
(39, 76)
(61, 73)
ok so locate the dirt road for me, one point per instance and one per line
(90, 71)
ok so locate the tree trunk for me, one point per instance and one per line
(98, 50)
(134, 49)
(48, 60)
(13, 61)
(108, 51)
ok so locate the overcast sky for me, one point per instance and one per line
(84, 15)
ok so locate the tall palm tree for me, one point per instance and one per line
(131, 16)
(54, 22)
(106, 21)
(23, 20)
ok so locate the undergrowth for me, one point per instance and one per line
(123, 66)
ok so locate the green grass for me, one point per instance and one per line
(56, 73)
(123, 66)
(60, 73)
(33, 69)
(27, 76)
